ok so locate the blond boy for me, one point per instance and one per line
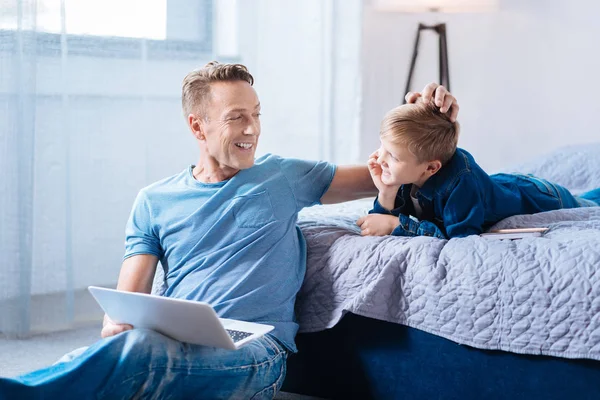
(428, 186)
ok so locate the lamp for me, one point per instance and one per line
(441, 6)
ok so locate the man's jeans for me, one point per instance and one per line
(144, 364)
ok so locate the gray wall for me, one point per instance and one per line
(525, 77)
(306, 58)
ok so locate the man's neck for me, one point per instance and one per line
(209, 171)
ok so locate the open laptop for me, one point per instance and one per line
(184, 320)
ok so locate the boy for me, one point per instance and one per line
(420, 172)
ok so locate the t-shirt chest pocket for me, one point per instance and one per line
(253, 210)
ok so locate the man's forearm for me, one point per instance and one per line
(350, 182)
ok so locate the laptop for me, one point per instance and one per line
(183, 320)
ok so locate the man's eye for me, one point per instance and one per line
(235, 118)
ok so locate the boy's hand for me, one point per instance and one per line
(443, 99)
(375, 170)
(377, 224)
(387, 193)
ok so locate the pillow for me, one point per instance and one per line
(576, 167)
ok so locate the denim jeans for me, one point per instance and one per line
(144, 364)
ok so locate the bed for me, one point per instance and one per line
(392, 317)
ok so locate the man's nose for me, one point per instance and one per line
(252, 128)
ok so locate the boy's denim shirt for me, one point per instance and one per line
(461, 199)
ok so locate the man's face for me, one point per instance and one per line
(399, 166)
(231, 126)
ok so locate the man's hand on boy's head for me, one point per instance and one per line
(377, 224)
(443, 99)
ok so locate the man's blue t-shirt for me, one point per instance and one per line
(233, 244)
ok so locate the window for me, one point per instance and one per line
(171, 28)
(132, 18)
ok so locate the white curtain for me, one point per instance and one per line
(89, 114)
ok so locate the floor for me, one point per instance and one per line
(23, 355)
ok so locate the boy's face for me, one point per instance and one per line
(399, 166)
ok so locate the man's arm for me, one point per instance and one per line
(137, 274)
(350, 182)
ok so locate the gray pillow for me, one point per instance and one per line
(576, 167)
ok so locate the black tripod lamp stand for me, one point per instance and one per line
(440, 29)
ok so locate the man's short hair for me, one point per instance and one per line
(423, 129)
(195, 91)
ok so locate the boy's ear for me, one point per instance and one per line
(433, 167)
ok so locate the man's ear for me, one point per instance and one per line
(433, 167)
(196, 127)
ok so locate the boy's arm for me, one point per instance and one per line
(464, 214)
(409, 227)
(382, 221)
(397, 225)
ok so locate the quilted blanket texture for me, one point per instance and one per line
(531, 296)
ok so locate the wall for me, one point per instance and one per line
(525, 76)
(305, 57)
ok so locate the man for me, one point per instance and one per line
(225, 230)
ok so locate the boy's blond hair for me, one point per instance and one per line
(423, 129)
(195, 91)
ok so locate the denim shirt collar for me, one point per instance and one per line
(445, 177)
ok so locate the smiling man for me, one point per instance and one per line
(225, 232)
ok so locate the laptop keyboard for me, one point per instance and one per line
(237, 335)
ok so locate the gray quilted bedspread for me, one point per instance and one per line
(532, 296)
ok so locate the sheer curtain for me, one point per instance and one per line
(89, 114)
